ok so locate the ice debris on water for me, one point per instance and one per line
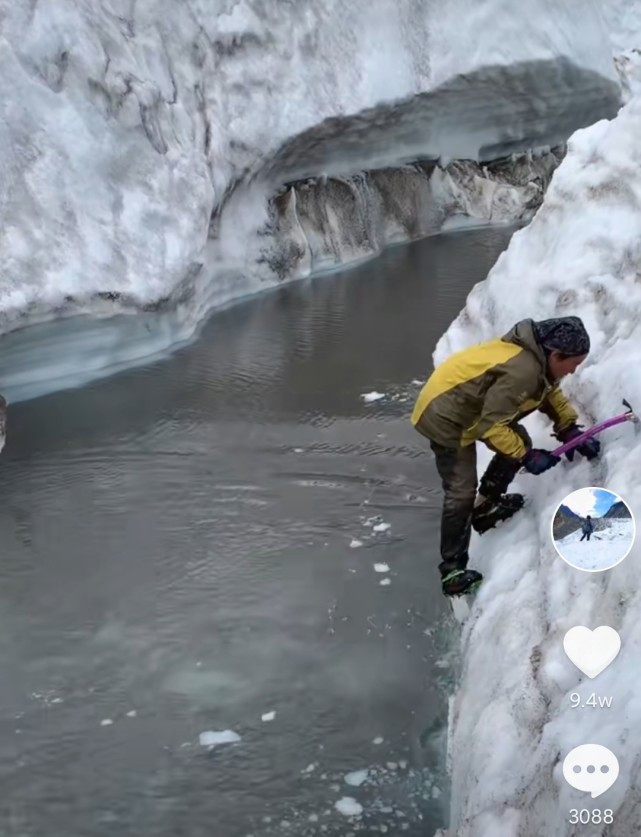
(385, 582)
(356, 777)
(369, 397)
(349, 807)
(107, 722)
(309, 769)
(378, 740)
(381, 568)
(132, 713)
(268, 716)
(355, 543)
(212, 738)
(382, 527)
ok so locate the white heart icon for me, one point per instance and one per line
(592, 651)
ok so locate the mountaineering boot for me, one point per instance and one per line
(486, 515)
(460, 582)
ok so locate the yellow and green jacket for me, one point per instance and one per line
(476, 394)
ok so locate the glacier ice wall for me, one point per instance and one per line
(321, 223)
(623, 20)
(140, 140)
(513, 724)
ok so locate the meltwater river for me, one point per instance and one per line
(190, 546)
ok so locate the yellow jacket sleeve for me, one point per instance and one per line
(502, 406)
(557, 408)
(502, 439)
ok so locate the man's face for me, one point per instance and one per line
(561, 366)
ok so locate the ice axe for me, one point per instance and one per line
(629, 415)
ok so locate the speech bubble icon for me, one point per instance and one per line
(591, 768)
(592, 651)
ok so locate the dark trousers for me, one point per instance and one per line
(586, 535)
(457, 470)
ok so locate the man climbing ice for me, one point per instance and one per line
(479, 394)
(587, 527)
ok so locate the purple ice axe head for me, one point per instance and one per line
(629, 415)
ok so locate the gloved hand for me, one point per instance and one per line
(590, 448)
(536, 460)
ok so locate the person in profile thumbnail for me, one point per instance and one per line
(587, 527)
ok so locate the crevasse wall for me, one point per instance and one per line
(513, 723)
(128, 129)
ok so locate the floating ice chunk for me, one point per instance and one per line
(385, 582)
(417, 383)
(107, 722)
(355, 543)
(132, 713)
(309, 769)
(213, 739)
(382, 527)
(378, 740)
(268, 716)
(313, 818)
(369, 397)
(381, 568)
(349, 807)
(356, 777)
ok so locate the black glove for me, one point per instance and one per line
(590, 448)
(536, 461)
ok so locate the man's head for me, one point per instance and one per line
(565, 342)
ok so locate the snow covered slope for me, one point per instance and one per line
(580, 255)
(126, 125)
(606, 547)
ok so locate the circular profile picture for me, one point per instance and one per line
(593, 529)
